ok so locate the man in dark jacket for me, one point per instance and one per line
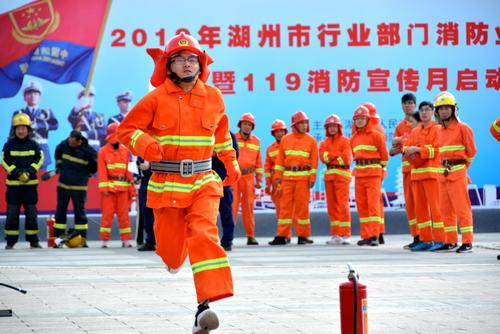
(21, 158)
(76, 161)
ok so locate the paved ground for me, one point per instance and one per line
(290, 289)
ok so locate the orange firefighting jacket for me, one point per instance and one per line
(187, 126)
(336, 151)
(249, 154)
(403, 129)
(427, 139)
(271, 155)
(456, 142)
(495, 129)
(297, 150)
(369, 144)
(112, 169)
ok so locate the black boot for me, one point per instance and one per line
(147, 247)
(10, 245)
(304, 241)
(251, 241)
(278, 241)
(381, 239)
(35, 244)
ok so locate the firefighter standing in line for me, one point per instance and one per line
(21, 158)
(377, 126)
(116, 187)
(370, 154)
(295, 169)
(176, 127)
(124, 102)
(335, 153)
(457, 150)
(76, 161)
(278, 130)
(90, 123)
(42, 120)
(402, 132)
(250, 162)
(422, 152)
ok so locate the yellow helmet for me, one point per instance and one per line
(21, 119)
(74, 241)
(445, 99)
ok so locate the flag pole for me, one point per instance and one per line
(98, 47)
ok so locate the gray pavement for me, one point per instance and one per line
(284, 289)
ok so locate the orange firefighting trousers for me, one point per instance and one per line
(367, 191)
(244, 193)
(428, 211)
(455, 203)
(192, 231)
(115, 202)
(337, 201)
(410, 204)
(294, 204)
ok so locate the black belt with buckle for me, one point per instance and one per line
(332, 166)
(186, 167)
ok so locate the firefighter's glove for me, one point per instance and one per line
(153, 152)
(24, 177)
(233, 172)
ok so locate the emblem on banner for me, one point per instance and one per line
(33, 22)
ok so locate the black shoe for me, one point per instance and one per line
(381, 239)
(416, 240)
(205, 320)
(374, 241)
(278, 241)
(364, 242)
(304, 241)
(35, 244)
(251, 241)
(9, 246)
(465, 248)
(227, 248)
(498, 257)
(147, 247)
(288, 240)
(445, 247)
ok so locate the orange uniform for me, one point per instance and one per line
(335, 152)
(403, 130)
(250, 162)
(495, 129)
(380, 129)
(172, 125)
(370, 154)
(115, 185)
(457, 150)
(424, 182)
(270, 162)
(296, 165)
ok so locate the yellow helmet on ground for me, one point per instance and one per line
(74, 241)
(445, 99)
(21, 119)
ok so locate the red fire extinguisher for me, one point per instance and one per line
(50, 231)
(353, 305)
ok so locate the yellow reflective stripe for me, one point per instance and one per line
(383, 162)
(253, 147)
(135, 136)
(81, 227)
(22, 153)
(425, 224)
(181, 187)
(7, 167)
(337, 171)
(278, 167)
(103, 184)
(186, 140)
(218, 263)
(259, 170)
(341, 161)
(438, 225)
(116, 165)
(333, 223)
(299, 153)
(452, 148)
(426, 170)
(368, 166)
(273, 153)
(31, 232)
(325, 157)
(370, 219)
(125, 230)
(120, 183)
(364, 147)
(267, 174)
(496, 127)
(344, 224)
(58, 161)
(303, 221)
(298, 173)
(227, 145)
(450, 229)
(466, 229)
(105, 229)
(453, 168)
(313, 171)
(68, 187)
(74, 159)
(431, 151)
(19, 183)
(38, 165)
(285, 221)
(470, 159)
(60, 226)
(11, 232)
(412, 222)
(406, 163)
